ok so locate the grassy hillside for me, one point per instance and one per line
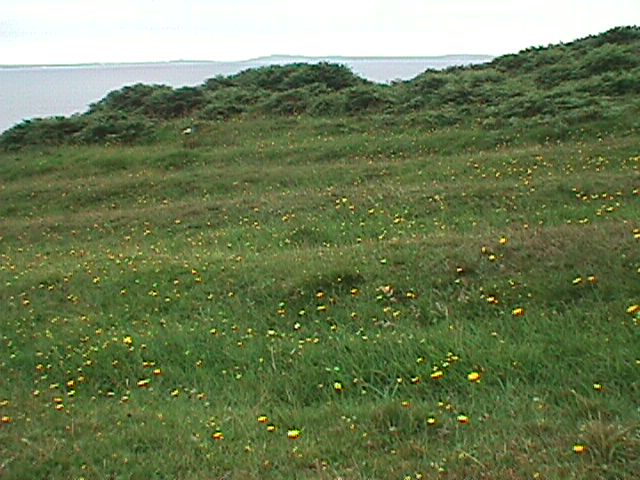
(412, 295)
(593, 78)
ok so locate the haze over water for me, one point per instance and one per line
(32, 92)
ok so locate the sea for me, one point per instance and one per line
(28, 92)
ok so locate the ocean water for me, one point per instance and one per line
(33, 92)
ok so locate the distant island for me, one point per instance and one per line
(274, 60)
(341, 58)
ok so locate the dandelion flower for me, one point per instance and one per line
(128, 341)
(437, 375)
(387, 290)
(633, 309)
(473, 377)
(144, 383)
(518, 312)
(503, 240)
(217, 435)
(271, 428)
(462, 419)
(263, 419)
(337, 386)
(431, 421)
(293, 434)
(6, 419)
(579, 448)
(597, 387)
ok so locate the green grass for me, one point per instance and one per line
(266, 259)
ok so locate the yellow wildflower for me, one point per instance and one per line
(462, 419)
(473, 377)
(579, 448)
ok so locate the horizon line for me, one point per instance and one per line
(249, 60)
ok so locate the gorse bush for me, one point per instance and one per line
(279, 78)
(42, 131)
(582, 79)
(153, 101)
(114, 128)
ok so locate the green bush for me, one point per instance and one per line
(112, 128)
(575, 80)
(226, 102)
(627, 83)
(327, 104)
(43, 131)
(610, 58)
(132, 99)
(365, 99)
(291, 102)
(279, 78)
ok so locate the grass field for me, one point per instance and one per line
(313, 298)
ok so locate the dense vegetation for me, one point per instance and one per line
(597, 77)
(329, 278)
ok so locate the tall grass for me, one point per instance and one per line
(405, 303)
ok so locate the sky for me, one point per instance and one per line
(87, 31)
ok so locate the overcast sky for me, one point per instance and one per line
(80, 31)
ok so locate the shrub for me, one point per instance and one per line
(43, 131)
(279, 78)
(112, 128)
(290, 102)
(327, 104)
(609, 58)
(132, 99)
(365, 99)
(227, 102)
